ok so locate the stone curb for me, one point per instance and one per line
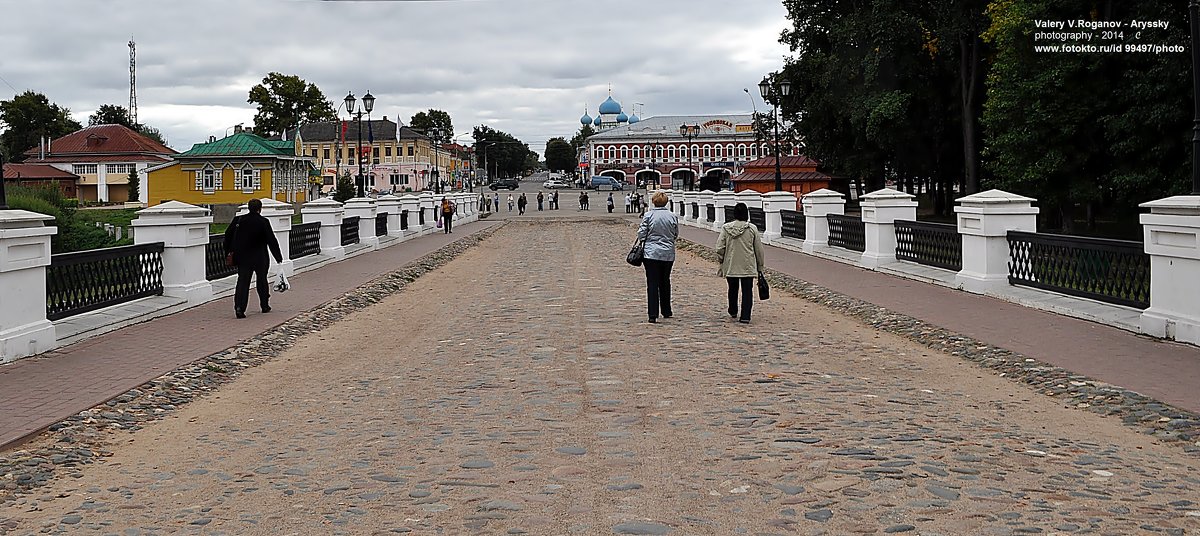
(1138, 411)
(84, 437)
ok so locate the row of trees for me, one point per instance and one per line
(30, 115)
(506, 155)
(937, 95)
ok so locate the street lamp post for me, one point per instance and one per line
(690, 132)
(368, 104)
(773, 95)
(434, 135)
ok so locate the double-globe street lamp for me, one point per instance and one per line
(773, 89)
(434, 136)
(690, 132)
(368, 104)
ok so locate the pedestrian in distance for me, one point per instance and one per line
(658, 231)
(582, 199)
(247, 240)
(496, 202)
(521, 202)
(510, 202)
(740, 256)
(586, 201)
(628, 203)
(554, 200)
(447, 211)
(540, 199)
(611, 204)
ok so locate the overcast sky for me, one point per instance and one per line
(526, 67)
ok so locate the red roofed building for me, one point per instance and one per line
(799, 173)
(102, 157)
(41, 175)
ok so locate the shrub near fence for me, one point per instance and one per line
(88, 280)
(1112, 271)
(931, 244)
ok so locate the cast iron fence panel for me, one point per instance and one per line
(847, 232)
(88, 280)
(214, 259)
(304, 240)
(712, 213)
(728, 213)
(682, 209)
(758, 217)
(403, 220)
(695, 211)
(349, 230)
(421, 217)
(792, 224)
(381, 224)
(931, 244)
(1112, 271)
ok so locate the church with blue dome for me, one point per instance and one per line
(610, 116)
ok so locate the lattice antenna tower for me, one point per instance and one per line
(133, 118)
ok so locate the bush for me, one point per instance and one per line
(74, 234)
(345, 189)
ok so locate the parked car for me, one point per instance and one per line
(556, 183)
(602, 182)
(511, 184)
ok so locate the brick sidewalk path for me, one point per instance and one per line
(558, 412)
(39, 391)
(1165, 371)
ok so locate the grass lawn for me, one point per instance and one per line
(121, 217)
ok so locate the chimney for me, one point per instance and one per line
(237, 129)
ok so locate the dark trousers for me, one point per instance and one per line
(658, 287)
(241, 293)
(747, 285)
(446, 219)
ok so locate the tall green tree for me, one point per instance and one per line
(111, 114)
(287, 101)
(434, 119)
(28, 116)
(580, 137)
(134, 186)
(507, 156)
(560, 156)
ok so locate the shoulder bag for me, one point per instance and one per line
(764, 291)
(637, 253)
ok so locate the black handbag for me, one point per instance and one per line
(637, 253)
(764, 291)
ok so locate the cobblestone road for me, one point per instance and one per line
(559, 413)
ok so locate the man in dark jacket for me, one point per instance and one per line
(247, 239)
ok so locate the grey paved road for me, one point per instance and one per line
(557, 412)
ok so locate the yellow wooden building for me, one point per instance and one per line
(233, 170)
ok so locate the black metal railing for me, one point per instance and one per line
(403, 220)
(712, 213)
(215, 266)
(847, 232)
(791, 224)
(1112, 271)
(695, 211)
(88, 280)
(682, 209)
(349, 230)
(931, 244)
(421, 217)
(381, 224)
(728, 213)
(758, 217)
(304, 240)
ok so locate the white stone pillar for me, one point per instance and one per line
(722, 199)
(412, 204)
(183, 230)
(704, 198)
(329, 214)
(773, 202)
(880, 210)
(688, 199)
(390, 205)
(1172, 238)
(428, 205)
(364, 208)
(24, 255)
(817, 205)
(280, 216)
(984, 220)
(751, 198)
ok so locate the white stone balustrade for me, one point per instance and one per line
(183, 230)
(427, 207)
(773, 203)
(364, 208)
(751, 198)
(24, 255)
(390, 205)
(705, 198)
(280, 216)
(412, 204)
(818, 205)
(688, 199)
(329, 214)
(880, 210)
(722, 199)
(984, 220)
(1172, 239)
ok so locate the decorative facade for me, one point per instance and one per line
(102, 156)
(233, 170)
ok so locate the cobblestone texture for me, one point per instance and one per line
(514, 391)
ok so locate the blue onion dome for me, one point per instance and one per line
(597, 121)
(610, 106)
(586, 119)
(622, 118)
(634, 119)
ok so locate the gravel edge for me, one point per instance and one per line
(84, 437)
(1163, 421)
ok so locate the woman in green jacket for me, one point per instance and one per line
(740, 253)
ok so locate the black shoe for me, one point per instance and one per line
(666, 316)
(733, 315)
(744, 321)
(266, 309)
(653, 321)
(239, 314)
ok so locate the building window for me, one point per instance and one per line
(387, 151)
(624, 152)
(670, 152)
(707, 151)
(411, 149)
(375, 152)
(118, 169)
(84, 169)
(695, 152)
(754, 151)
(371, 180)
(325, 154)
(729, 151)
(246, 180)
(208, 179)
(741, 151)
(394, 179)
(314, 154)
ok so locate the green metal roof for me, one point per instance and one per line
(241, 144)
